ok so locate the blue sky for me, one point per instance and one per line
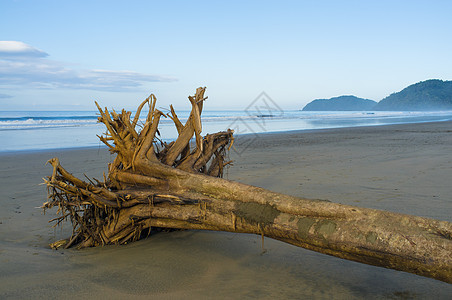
(66, 54)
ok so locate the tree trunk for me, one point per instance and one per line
(153, 184)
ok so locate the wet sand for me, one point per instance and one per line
(401, 168)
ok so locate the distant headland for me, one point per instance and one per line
(429, 95)
(341, 103)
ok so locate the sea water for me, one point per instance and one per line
(40, 130)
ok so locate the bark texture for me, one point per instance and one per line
(152, 184)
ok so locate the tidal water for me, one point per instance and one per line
(41, 130)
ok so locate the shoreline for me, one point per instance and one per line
(246, 135)
(404, 168)
(320, 130)
(52, 150)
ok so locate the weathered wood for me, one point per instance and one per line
(152, 185)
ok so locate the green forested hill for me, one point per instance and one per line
(433, 94)
(341, 103)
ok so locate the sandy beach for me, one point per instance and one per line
(402, 168)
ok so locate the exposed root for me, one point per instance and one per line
(96, 208)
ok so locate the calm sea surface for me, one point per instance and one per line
(39, 130)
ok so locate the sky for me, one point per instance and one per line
(63, 55)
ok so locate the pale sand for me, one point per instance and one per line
(402, 168)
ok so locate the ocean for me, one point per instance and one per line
(41, 130)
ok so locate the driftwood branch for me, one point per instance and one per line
(152, 184)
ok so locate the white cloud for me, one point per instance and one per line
(15, 49)
(31, 69)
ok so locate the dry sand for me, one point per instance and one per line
(402, 168)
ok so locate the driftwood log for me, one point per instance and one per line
(152, 184)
